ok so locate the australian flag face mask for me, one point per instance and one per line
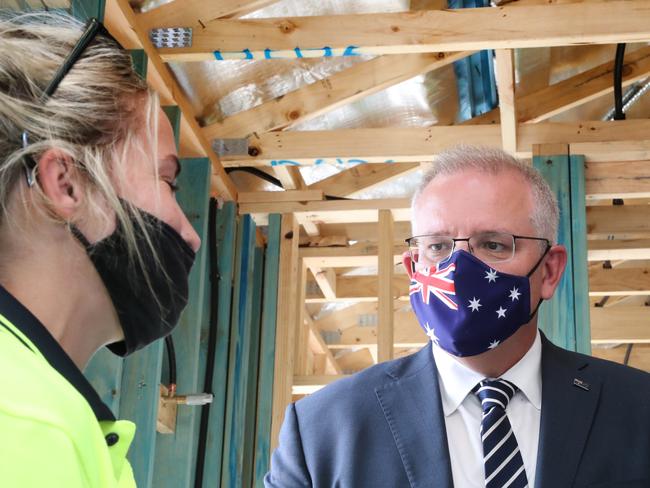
(465, 306)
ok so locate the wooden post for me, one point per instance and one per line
(506, 86)
(286, 323)
(386, 271)
(302, 335)
(267, 350)
(565, 318)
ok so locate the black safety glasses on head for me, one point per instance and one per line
(93, 27)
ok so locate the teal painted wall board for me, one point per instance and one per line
(565, 318)
(253, 369)
(140, 60)
(175, 454)
(239, 356)
(139, 403)
(267, 351)
(85, 9)
(174, 115)
(226, 239)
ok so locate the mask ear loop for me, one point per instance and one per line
(539, 261)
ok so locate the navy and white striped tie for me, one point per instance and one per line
(504, 466)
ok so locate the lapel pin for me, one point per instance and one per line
(581, 384)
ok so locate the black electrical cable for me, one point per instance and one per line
(256, 172)
(171, 359)
(212, 341)
(618, 82)
(274, 181)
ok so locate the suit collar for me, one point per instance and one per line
(411, 397)
(567, 414)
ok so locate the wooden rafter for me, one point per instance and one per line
(575, 91)
(619, 222)
(197, 13)
(622, 140)
(607, 180)
(422, 31)
(362, 177)
(354, 83)
(620, 324)
(120, 16)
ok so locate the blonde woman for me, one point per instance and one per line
(94, 249)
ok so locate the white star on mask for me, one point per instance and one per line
(474, 304)
(431, 333)
(501, 312)
(514, 294)
(493, 344)
(491, 276)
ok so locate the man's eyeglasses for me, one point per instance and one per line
(489, 247)
(93, 27)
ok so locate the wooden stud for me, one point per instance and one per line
(226, 242)
(364, 289)
(611, 250)
(239, 356)
(286, 323)
(267, 350)
(326, 279)
(318, 346)
(306, 385)
(619, 282)
(418, 32)
(620, 324)
(505, 78)
(385, 288)
(608, 180)
(301, 346)
(619, 222)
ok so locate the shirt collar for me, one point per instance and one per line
(40, 337)
(457, 380)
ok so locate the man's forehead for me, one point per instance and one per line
(474, 201)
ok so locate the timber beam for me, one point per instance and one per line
(418, 32)
(622, 140)
(197, 13)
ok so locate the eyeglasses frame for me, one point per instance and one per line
(466, 239)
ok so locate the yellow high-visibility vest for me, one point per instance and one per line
(49, 434)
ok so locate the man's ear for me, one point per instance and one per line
(552, 271)
(58, 179)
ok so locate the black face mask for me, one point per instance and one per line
(147, 310)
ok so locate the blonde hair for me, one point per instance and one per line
(95, 116)
(546, 215)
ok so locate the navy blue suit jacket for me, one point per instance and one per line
(384, 427)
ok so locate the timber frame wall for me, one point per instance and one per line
(308, 244)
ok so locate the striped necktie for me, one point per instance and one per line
(504, 466)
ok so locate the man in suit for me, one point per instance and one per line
(490, 401)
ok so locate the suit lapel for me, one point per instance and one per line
(412, 406)
(567, 414)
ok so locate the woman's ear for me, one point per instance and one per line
(59, 181)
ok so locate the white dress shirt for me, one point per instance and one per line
(462, 411)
